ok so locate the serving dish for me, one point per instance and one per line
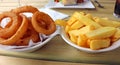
(115, 45)
(87, 5)
(32, 46)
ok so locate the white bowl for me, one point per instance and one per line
(67, 40)
(30, 48)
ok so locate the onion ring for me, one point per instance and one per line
(13, 24)
(27, 37)
(44, 19)
(25, 9)
(34, 34)
(20, 29)
(19, 33)
(22, 42)
(30, 34)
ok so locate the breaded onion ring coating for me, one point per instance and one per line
(12, 26)
(30, 34)
(43, 23)
(22, 42)
(23, 9)
(18, 34)
(34, 34)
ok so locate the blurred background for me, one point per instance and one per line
(10, 4)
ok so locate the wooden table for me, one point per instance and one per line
(57, 49)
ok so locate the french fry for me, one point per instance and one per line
(67, 28)
(73, 37)
(89, 16)
(75, 32)
(82, 41)
(103, 32)
(82, 13)
(116, 36)
(86, 29)
(99, 44)
(61, 22)
(73, 19)
(105, 22)
(82, 30)
(87, 21)
(77, 25)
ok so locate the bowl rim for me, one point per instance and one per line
(37, 46)
(63, 34)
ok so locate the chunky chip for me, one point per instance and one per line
(99, 44)
(106, 22)
(103, 32)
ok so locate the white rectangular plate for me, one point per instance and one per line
(87, 5)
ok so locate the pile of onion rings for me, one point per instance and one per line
(20, 29)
